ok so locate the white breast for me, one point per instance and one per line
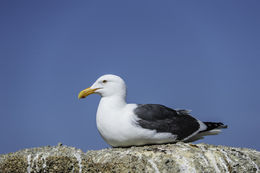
(114, 123)
(117, 125)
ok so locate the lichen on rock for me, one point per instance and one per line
(179, 157)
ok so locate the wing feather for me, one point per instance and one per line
(163, 119)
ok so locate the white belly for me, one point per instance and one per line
(119, 128)
(115, 126)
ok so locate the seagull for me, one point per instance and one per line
(122, 125)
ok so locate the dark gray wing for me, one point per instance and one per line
(164, 119)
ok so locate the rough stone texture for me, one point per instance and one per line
(180, 157)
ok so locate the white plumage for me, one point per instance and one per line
(122, 124)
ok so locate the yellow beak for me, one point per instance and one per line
(84, 93)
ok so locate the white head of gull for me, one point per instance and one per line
(121, 124)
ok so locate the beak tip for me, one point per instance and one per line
(80, 97)
(84, 93)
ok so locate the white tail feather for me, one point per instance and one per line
(202, 134)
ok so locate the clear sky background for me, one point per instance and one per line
(198, 55)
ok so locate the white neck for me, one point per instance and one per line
(113, 102)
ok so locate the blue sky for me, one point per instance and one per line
(198, 55)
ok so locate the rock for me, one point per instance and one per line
(179, 157)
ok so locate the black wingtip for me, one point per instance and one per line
(214, 125)
(224, 126)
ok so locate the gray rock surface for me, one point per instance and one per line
(180, 157)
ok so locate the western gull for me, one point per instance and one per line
(121, 124)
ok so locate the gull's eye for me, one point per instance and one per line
(104, 81)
